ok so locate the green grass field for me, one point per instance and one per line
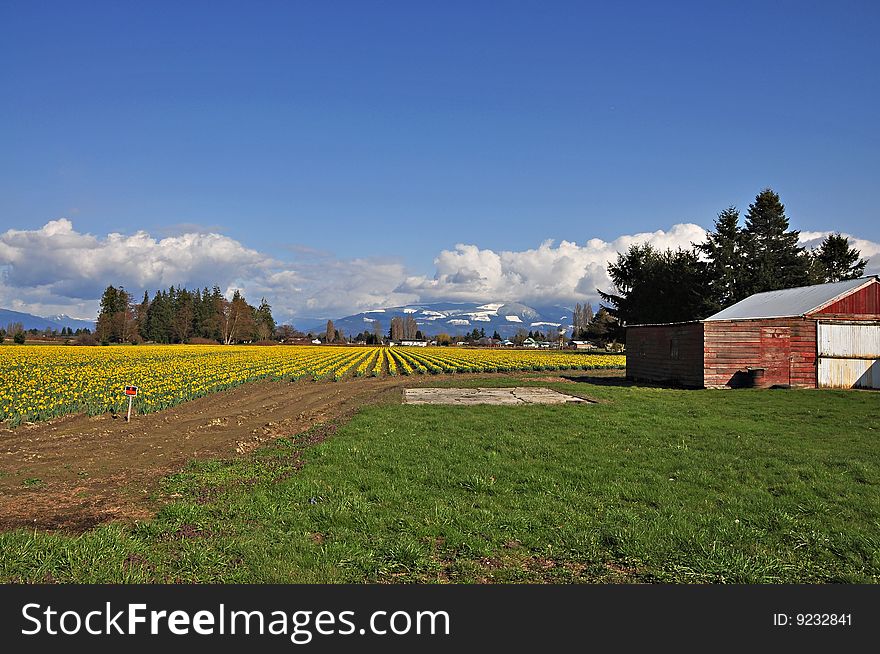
(650, 484)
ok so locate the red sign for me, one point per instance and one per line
(131, 390)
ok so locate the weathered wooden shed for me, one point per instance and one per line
(826, 336)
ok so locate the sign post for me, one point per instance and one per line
(131, 392)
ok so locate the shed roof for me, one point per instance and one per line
(790, 302)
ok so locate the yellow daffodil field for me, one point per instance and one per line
(41, 382)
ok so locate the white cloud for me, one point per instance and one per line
(564, 273)
(56, 269)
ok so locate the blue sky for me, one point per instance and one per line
(315, 132)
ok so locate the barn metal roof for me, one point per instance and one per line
(790, 302)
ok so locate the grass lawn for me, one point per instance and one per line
(647, 485)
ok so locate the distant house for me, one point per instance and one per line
(582, 345)
(316, 341)
(530, 342)
(414, 343)
(506, 343)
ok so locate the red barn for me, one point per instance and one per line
(825, 336)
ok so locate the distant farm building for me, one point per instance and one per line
(414, 343)
(582, 345)
(825, 336)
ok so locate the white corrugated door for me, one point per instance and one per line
(849, 355)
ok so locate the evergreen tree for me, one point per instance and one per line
(216, 303)
(109, 307)
(200, 314)
(602, 327)
(836, 261)
(657, 287)
(141, 316)
(264, 320)
(724, 251)
(159, 318)
(773, 259)
(182, 316)
(115, 319)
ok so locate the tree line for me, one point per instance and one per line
(178, 315)
(735, 261)
(18, 334)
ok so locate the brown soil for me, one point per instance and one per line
(79, 471)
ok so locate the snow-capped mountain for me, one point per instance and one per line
(74, 323)
(455, 318)
(30, 321)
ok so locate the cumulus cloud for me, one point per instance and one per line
(332, 287)
(564, 273)
(56, 269)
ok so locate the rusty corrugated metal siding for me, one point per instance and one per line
(849, 354)
(849, 340)
(849, 373)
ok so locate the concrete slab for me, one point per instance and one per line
(500, 396)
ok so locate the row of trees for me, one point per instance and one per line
(372, 337)
(734, 262)
(404, 328)
(14, 330)
(17, 332)
(600, 328)
(179, 315)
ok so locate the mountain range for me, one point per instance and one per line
(454, 318)
(30, 321)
